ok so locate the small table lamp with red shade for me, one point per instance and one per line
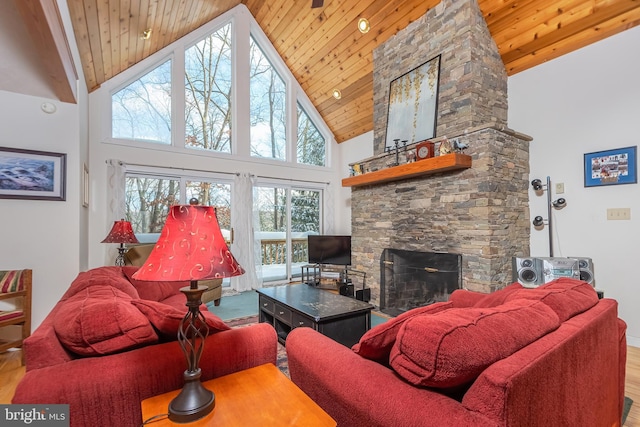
(190, 247)
(122, 233)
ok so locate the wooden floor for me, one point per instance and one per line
(11, 371)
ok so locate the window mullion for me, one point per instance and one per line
(178, 99)
(241, 138)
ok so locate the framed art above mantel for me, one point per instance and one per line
(413, 104)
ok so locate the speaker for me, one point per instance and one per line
(347, 290)
(586, 270)
(554, 268)
(363, 295)
(527, 271)
(534, 271)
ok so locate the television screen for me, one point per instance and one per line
(329, 250)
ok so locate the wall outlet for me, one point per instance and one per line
(619, 214)
(560, 188)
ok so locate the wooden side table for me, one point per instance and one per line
(261, 396)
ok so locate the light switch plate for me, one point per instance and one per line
(619, 214)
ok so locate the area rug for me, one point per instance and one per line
(281, 361)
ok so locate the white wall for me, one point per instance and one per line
(49, 237)
(351, 151)
(42, 235)
(583, 102)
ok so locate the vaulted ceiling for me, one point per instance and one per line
(323, 47)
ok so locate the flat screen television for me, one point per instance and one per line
(334, 250)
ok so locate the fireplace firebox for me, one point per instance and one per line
(410, 279)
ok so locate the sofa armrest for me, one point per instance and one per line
(107, 390)
(359, 392)
(465, 298)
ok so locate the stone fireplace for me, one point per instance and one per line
(480, 213)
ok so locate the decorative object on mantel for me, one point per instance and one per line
(439, 164)
(559, 203)
(413, 102)
(425, 150)
(458, 146)
(445, 147)
(396, 146)
(611, 167)
(410, 156)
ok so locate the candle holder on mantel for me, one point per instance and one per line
(396, 147)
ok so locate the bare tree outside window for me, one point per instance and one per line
(311, 147)
(208, 92)
(268, 107)
(142, 109)
(148, 201)
(213, 194)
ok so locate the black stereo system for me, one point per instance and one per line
(534, 271)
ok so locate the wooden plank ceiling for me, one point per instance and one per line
(323, 47)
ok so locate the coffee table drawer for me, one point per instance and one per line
(298, 321)
(283, 313)
(267, 305)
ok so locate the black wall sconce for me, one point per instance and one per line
(559, 203)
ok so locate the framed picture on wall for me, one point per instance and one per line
(32, 175)
(413, 104)
(611, 167)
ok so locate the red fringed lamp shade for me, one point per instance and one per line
(190, 247)
(121, 232)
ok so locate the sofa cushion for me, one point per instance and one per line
(109, 276)
(376, 343)
(166, 319)
(100, 320)
(454, 346)
(154, 291)
(566, 296)
(498, 297)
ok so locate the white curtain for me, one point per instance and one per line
(116, 171)
(245, 248)
(329, 209)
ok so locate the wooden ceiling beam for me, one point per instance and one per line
(606, 29)
(601, 14)
(542, 21)
(517, 40)
(44, 24)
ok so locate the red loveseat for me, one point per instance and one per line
(110, 342)
(550, 356)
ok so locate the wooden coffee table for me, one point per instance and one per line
(261, 396)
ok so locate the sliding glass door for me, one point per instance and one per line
(286, 215)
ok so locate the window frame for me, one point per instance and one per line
(243, 26)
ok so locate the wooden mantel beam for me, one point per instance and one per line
(42, 21)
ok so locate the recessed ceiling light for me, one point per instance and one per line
(146, 34)
(363, 25)
(337, 94)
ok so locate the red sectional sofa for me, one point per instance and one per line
(110, 342)
(550, 356)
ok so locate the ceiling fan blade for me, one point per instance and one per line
(317, 3)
